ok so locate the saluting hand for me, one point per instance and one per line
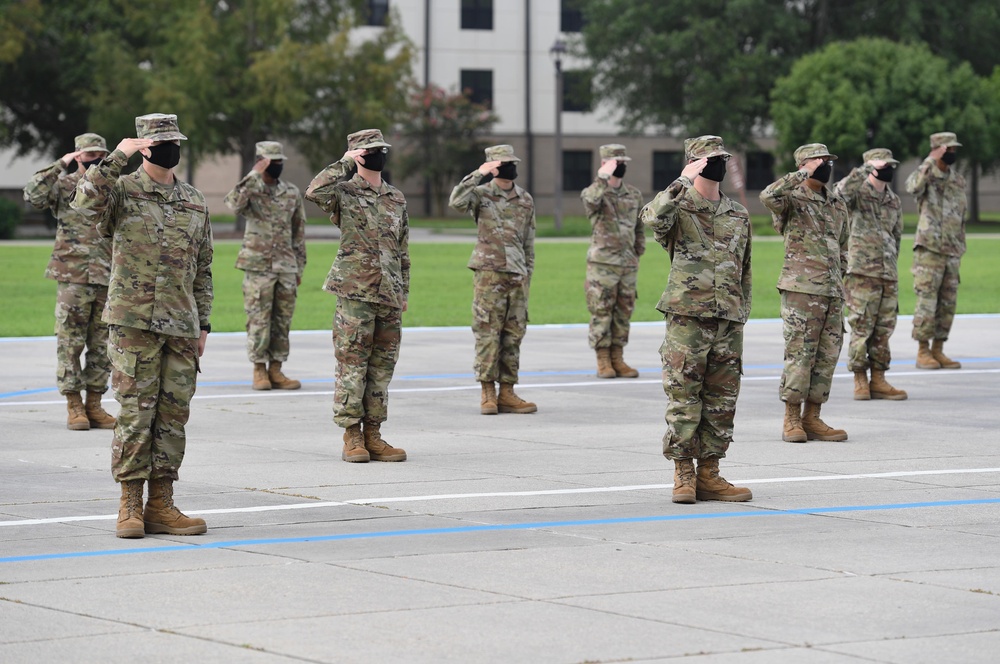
(810, 165)
(129, 146)
(938, 152)
(608, 167)
(877, 163)
(694, 168)
(261, 165)
(490, 167)
(69, 157)
(356, 156)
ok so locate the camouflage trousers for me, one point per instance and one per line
(814, 333)
(611, 292)
(154, 378)
(366, 342)
(269, 302)
(78, 327)
(702, 363)
(935, 281)
(499, 322)
(872, 308)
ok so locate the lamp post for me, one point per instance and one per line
(557, 51)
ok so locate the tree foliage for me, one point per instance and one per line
(445, 133)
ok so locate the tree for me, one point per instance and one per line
(868, 93)
(445, 133)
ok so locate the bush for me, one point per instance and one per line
(10, 217)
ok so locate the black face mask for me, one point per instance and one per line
(949, 157)
(374, 161)
(620, 170)
(507, 170)
(715, 169)
(88, 164)
(885, 174)
(165, 155)
(822, 174)
(274, 169)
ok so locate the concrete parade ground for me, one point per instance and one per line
(513, 538)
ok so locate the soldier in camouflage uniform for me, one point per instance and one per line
(273, 257)
(616, 243)
(159, 303)
(871, 284)
(706, 303)
(937, 249)
(80, 264)
(371, 278)
(502, 263)
(815, 224)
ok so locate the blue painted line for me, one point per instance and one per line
(227, 544)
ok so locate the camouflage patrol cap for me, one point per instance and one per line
(614, 151)
(366, 138)
(158, 127)
(883, 154)
(270, 150)
(945, 138)
(812, 151)
(704, 147)
(501, 153)
(90, 143)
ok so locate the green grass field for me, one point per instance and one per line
(441, 285)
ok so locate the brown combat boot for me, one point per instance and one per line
(924, 358)
(508, 402)
(881, 389)
(96, 415)
(378, 448)
(130, 524)
(604, 368)
(488, 402)
(817, 429)
(684, 482)
(260, 379)
(618, 364)
(937, 351)
(162, 516)
(862, 391)
(76, 420)
(354, 445)
(792, 431)
(712, 486)
(280, 381)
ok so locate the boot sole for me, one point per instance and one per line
(357, 459)
(388, 458)
(519, 411)
(262, 387)
(78, 427)
(889, 397)
(864, 397)
(929, 367)
(131, 533)
(607, 375)
(683, 500)
(488, 411)
(703, 495)
(159, 529)
(94, 425)
(626, 375)
(285, 387)
(950, 366)
(794, 439)
(829, 439)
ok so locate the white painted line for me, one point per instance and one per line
(512, 494)
(275, 394)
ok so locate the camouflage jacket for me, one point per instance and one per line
(876, 225)
(815, 228)
(275, 235)
(373, 260)
(709, 249)
(506, 221)
(616, 230)
(81, 255)
(941, 203)
(161, 248)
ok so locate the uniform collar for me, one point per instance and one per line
(150, 186)
(513, 192)
(364, 184)
(725, 203)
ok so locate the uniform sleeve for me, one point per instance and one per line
(640, 236)
(97, 196)
(465, 197)
(660, 214)
(529, 243)
(593, 197)
(404, 254)
(775, 197)
(845, 236)
(917, 183)
(323, 190)
(42, 190)
(299, 221)
(746, 284)
(241, 197)
(849, 187)
(203, 286)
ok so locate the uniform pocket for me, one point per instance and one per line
(122, 360)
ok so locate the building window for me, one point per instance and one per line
(477, 14)
(667, 167)
(577, 169)
(477, 85)
(571, 15)
(760, 170)
(577, 94)
(376, 12)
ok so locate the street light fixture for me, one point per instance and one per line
(556, 52)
